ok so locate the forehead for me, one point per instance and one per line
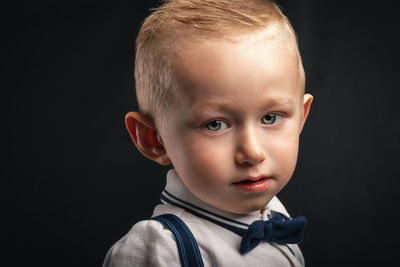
(221, 68)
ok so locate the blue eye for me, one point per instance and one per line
(216, 125)
(271, 118)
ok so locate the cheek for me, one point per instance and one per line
(283, 155)
(199, 160)
(207, 157)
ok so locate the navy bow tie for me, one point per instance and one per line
(277, 229)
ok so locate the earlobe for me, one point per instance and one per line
(307, 104)
(146, 138)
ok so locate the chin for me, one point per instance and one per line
(258, 206)
(251, 208)
(245, 207)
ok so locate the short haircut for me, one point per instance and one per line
(177, 21)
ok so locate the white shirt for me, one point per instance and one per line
(150, 243)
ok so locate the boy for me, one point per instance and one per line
(220, 85)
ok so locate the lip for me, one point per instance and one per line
(253, 184)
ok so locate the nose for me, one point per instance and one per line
(250, 150)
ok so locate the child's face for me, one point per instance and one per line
(233, 138)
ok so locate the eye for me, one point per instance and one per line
(216, 125)
(271, 118)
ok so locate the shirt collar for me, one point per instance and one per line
(177, 194)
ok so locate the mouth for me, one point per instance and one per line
(253, 184)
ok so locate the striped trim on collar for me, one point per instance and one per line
(227, 223)
(232, 225)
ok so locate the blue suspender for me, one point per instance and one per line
(188, 249)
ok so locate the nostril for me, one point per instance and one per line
(249, 148)
(249, 159)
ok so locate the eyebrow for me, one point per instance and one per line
(270, 102)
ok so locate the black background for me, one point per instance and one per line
(73, 183)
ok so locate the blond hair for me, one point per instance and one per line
(164, 30)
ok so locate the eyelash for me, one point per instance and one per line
(277, 118)
(218, 121)
(216, 128)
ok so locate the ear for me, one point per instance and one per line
(307, 104)
(146, 138)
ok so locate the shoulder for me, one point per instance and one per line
(148, 243)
